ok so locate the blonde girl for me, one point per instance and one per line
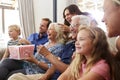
(93, 59)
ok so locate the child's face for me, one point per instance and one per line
(84, 43)
(13, 33)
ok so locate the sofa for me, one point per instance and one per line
(2, 51)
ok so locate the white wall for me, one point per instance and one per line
(44, 8)
(61, 4)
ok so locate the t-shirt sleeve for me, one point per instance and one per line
(30, 38)
(102, 68)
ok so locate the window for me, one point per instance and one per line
(0, 20)
(11, 17)
(95, 8)
(9, 14)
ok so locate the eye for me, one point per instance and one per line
(80, 39)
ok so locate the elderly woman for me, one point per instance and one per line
(40, 64)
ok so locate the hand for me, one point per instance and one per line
(42, 50)
(66, 31)
(30, 58)
(24, 41)
(64, 28)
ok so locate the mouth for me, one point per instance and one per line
(49, 34)
(69, 20)
(77, 47)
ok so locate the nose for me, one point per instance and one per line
(40, 25)
(71, 28)
(76, 43)
(66, 17)
(103, 19)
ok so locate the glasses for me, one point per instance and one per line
(74, 25)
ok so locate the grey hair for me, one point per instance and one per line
(84, 20)
(117, 2)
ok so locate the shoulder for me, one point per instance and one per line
(102, 68)
(70, 44)
(34, 34)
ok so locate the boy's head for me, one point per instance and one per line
(14, 31)
(15, 27)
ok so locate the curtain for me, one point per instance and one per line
(26, 12)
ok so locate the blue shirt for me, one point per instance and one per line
(36, 40)
(65, 57)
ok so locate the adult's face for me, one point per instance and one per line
(43, 26)
(74, 27)
(111, 18)
(51, 32)
(68, 15)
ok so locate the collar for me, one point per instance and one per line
(43, 35)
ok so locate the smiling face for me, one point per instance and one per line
(68, 15)
(84, 43)
(112, 18)
(43, 26)
(51, 32)
(74, 27)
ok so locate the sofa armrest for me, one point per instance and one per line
(2, 51)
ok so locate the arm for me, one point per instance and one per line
(24, 41)
(59, 65)
(39, 63)
(48, 73)
(6, 54)
(89, 76)
(64, 75)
